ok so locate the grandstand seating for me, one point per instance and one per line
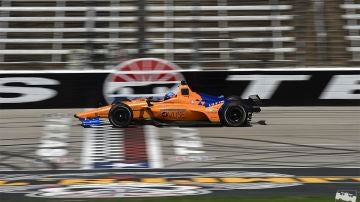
(352, 17)
(211, 34)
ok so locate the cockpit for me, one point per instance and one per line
(182, 89)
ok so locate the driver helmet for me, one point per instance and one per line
(169, 95)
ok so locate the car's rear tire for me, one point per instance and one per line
(120, 115)
(233, 115)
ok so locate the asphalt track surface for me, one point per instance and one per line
(285, 138)
(291, 137)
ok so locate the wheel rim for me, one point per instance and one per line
(121, 116)
(235, 114)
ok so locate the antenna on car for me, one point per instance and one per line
(183, 82)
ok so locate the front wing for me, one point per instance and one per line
(90, 122)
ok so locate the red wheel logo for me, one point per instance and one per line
(143, 77)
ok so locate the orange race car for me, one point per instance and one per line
(180, 107)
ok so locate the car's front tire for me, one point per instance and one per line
(233, 114)
(120, 115)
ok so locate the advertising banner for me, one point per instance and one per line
(82, 89)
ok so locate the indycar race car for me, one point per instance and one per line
(179, 107)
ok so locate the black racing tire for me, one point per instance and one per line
(120, 115)
(233, 115)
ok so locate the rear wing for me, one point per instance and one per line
(255, 103)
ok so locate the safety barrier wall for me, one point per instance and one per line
(277, 87)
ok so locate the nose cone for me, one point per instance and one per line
(93, 113)
(82, 115)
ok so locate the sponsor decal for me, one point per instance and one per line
(188, 146)
(173, 115)
(26, 89)
(148, 184)
(264, 85)
(53, 146)
(164, 114)
(143, 77)
(344, 87)
(346, 196)
(120, 165)
(186, 141)
(153, 77)
(119, 191)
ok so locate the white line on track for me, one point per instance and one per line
(153, 147)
